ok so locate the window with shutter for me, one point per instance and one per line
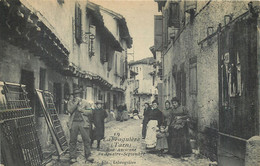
(105, 58)
(116, 68)
(103, 52)
(78, 23)
(165, 28)
(125, 65)
(158, 25)
(121, 66)
(110, 58)
(174, 15)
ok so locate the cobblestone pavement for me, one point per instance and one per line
(123, 146)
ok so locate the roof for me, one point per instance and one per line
(94, 10)
(148, 61)
(124, 32)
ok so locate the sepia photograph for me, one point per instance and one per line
(129, 83)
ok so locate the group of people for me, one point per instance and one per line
(167, 130)
(122, 113)
(162, 130)
(86, 118)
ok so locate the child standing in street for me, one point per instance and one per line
(162, 143)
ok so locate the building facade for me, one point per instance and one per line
(201, 49)
(77, 45)
(142, 86)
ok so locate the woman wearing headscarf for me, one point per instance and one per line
(167, 111)
(155, 120)
(178, 131)
(99, 115)
(166, 117)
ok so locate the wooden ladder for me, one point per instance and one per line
(51, 109)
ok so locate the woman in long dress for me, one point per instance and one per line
(166, 117)
(99, 115)
(145, 120)
(155, 120)
(178, 131)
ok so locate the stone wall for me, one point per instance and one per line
(252, 151)
(202, 105)
(13, 61)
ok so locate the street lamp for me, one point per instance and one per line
(91, 43)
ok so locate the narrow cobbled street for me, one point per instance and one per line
(123, 146)
(75, 71)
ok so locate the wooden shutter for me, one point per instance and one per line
(121, 66)
(125, 65)
(110, 58)
(78, 23)
(165, 28)
(174, 15)
(158, 20)
(103, 52)
(105, 57)
(116, 68)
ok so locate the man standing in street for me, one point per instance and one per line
(80, 121)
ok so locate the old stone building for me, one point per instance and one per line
(208, 50)
(142, 88)
(62, 45)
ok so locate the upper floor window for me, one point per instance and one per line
(174, 15)
(78, 30)
(100, 96)
(103, 52)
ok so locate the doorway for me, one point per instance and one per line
(57, 96)
(27, 79)
(108, 101)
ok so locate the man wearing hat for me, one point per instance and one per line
(80, 121)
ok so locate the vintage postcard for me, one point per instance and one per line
(129, 82)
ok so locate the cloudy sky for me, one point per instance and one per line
(139, 15)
